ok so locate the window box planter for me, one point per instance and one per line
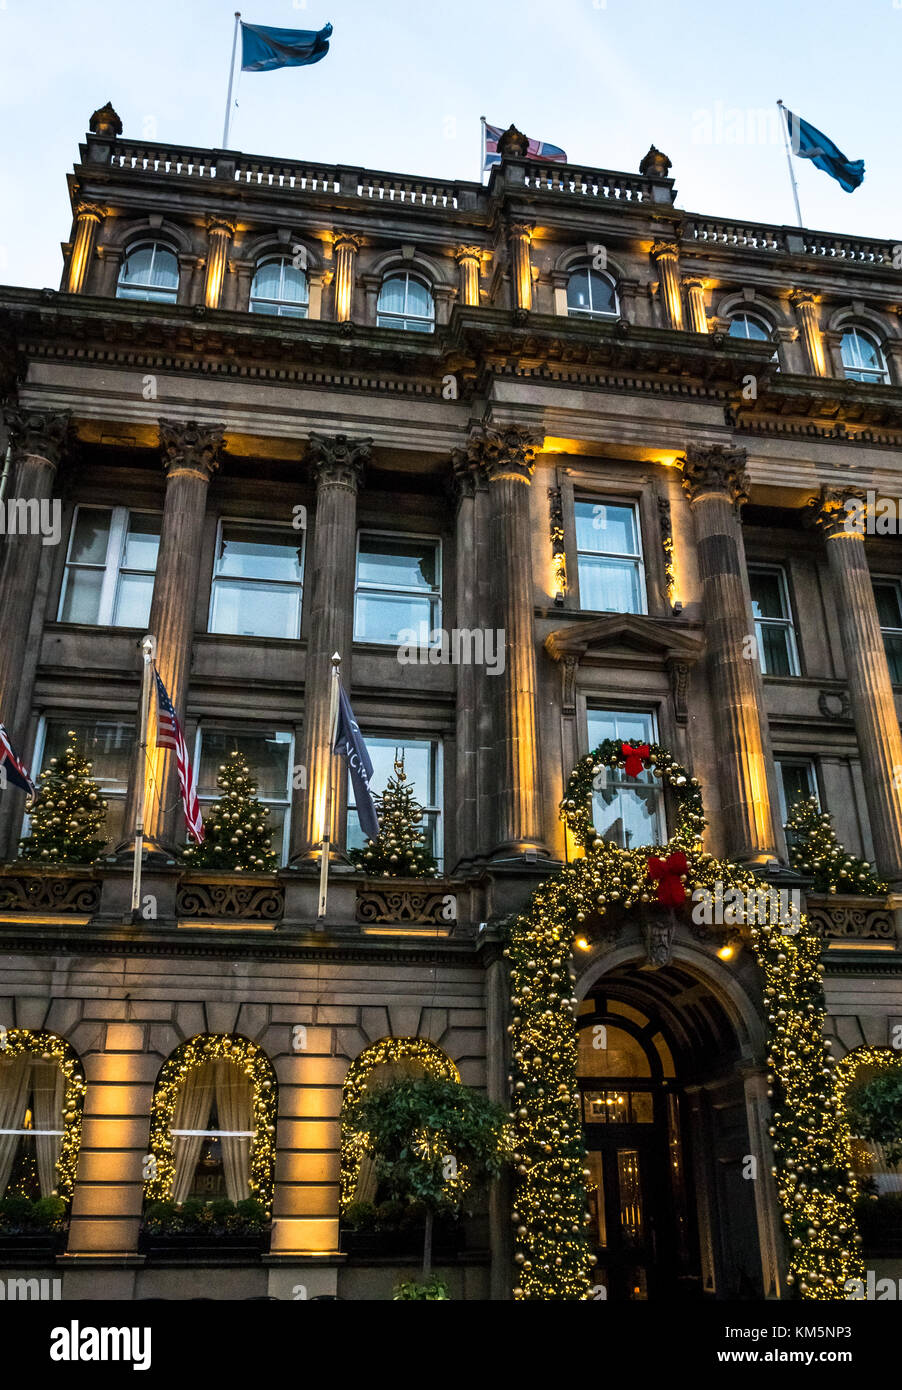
(204, 1231)
(32, 1247)
(447, 1240)
(32, 1232)
(225, 1247)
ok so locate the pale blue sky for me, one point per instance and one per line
(407, 80)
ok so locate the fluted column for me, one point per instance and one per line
(87, 221)
(190, 453)
(666, 256)
(338, 464)
(806, 309)
(345, 248)
(468, 262)
(507, 455)
(37, 438)
(219, 239)
(472, 693)
(521, 264)
(716, 484)
(695, 301)
(867, 672)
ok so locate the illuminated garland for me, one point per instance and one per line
(550, 1213)
(47, 1047)
(257, 1068)
(431, 1058)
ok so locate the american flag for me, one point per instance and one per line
(15, 770)
(169, 735)
(536, 149)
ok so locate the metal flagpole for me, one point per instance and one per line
(148, 649)
(482, 149)
(228, 110)
(792, 178)
(330, 789)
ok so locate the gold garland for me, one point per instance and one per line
(257, 1067)
(429, 1055)
(47, 1047)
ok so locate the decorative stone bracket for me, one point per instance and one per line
(406, 905)
(55, 890)
(257, 898)
(853, 919)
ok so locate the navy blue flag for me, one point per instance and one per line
(16, 772)
(810, 143)
(263, 49)
(349, 743)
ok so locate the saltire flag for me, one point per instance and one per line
(169, 735)
(350, 745)
(16, 771)
(263, 49)
(810, 143)
(536, 149)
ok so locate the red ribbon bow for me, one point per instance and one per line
(635, 758)
(667, 872)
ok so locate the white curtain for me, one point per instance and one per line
(15, 1082)
(383, 1074)
(192, 1111)
(47, 1091)
(234, 1106)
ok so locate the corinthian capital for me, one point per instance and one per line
(337, 460)
(714, 468)
(838, 511)
(508, 452)
(39, 434)
(190, 447)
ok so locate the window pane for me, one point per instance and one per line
(386, 617)
(606, 528)
(610, 586)
(623, 1055)
(578, 290)
(81, 602)
(254, 552)
(90, 536)
(133, 600)
(142, 542)
(266, 753)
(419, 300)
(767, 594)
(391, 296)
(421, 766)
(894, 657)
(108, 745)
(634, 726)
(888, 598)
(602, 293)
(627, 815)
(396, 563)
(798, 782)
(744, 326)
(255, 610)
(775, 644)
(267, 281)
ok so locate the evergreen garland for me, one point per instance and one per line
(68, 814)
(400, 849)
(236, 827)
(815, 851)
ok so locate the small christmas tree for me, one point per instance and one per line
(400, 848)
(236, 827)
(815, 852)
(68, 812)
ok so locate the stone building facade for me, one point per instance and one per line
(281, 403)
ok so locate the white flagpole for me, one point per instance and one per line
(330, 790)
(228, 110)
(792, 177)
(148, 650)
(482, 149)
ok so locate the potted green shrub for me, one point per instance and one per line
(32, 1229)
(220, 1227)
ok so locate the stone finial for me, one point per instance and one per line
(713, 468)
(105, 121)
(513, 144)
(655, 164)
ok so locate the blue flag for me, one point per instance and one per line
(263, 49)
(349, 743)
(810, 143)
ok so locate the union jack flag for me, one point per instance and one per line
(169, 735)
(536, 149)
(15, 770)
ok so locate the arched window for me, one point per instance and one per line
(279, 287)
(590, 294)
(862, 356)
(405, 301)
(149, 271)
(42, 1089)
(746, 325)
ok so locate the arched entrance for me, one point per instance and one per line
(667, 1092)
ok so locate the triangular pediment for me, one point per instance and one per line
(659, 637)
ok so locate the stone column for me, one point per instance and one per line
(666, 256)
(867, 672)
(695, 300)
(466, 479)
(37, 438)
(767, 1208)
(87, 221)
(338, 464)
(468, 262)
(805, 305)
(521, 265)
(190, 453)
(346, 248)
(716, 484)
(219, 239)
(508, 457)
